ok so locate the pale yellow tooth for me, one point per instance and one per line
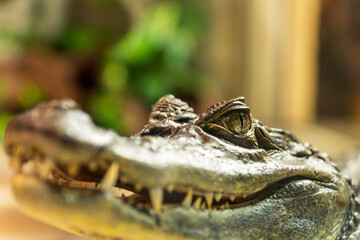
(44, 168)
(222, 206)
(218, 196)
(73, 184)
(115, 192)
(29, 168)
(188, 198)
(232, 197)
(138, 187)
(111, 177)
(73, 170)
(85, 184)
(18, 152)
(209, 198)
(227, 206)
(156, 197)
(197, 203)
(170, 188)
(15, 164)
(126, 192)
(203, 205)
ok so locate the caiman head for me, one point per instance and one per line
(217, 175)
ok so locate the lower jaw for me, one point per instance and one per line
(95, 213)
(85, 212)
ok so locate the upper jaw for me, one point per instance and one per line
(192, 160)
(215, 167)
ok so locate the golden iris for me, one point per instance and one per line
(238, 122)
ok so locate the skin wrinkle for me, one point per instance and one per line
(283, 188)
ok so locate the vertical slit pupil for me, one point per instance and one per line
(241, 120)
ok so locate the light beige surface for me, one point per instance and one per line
(334, 139)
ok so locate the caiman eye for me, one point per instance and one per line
(237, 122)
(232, 122)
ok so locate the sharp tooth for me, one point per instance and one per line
(44, 168)
(29, 168)
(170, 188)
(85, 184)
(115, 192)
(218, 196)
(232, 197)
(73, 184)
(222, 206)
(227, 206)
(188, 199)
(197, 203)
(203, 205)
(209, 198)
(138, 187)
(17, 152)
(111, 176)
(73, 170)
(15, 163)
(156, 197)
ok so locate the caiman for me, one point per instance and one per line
(218, 175)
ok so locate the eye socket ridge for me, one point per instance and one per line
(235, 119)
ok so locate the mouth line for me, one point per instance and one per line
(110, 179)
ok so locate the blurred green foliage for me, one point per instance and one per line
(30, 95)
(155, 58)
(27, 97)
(4, 116)
(77, 39)
(12, 38)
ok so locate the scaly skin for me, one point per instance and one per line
(219, 175)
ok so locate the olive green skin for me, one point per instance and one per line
(299, 193)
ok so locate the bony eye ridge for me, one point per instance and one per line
(231, 122)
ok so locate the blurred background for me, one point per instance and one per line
(296, 62)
